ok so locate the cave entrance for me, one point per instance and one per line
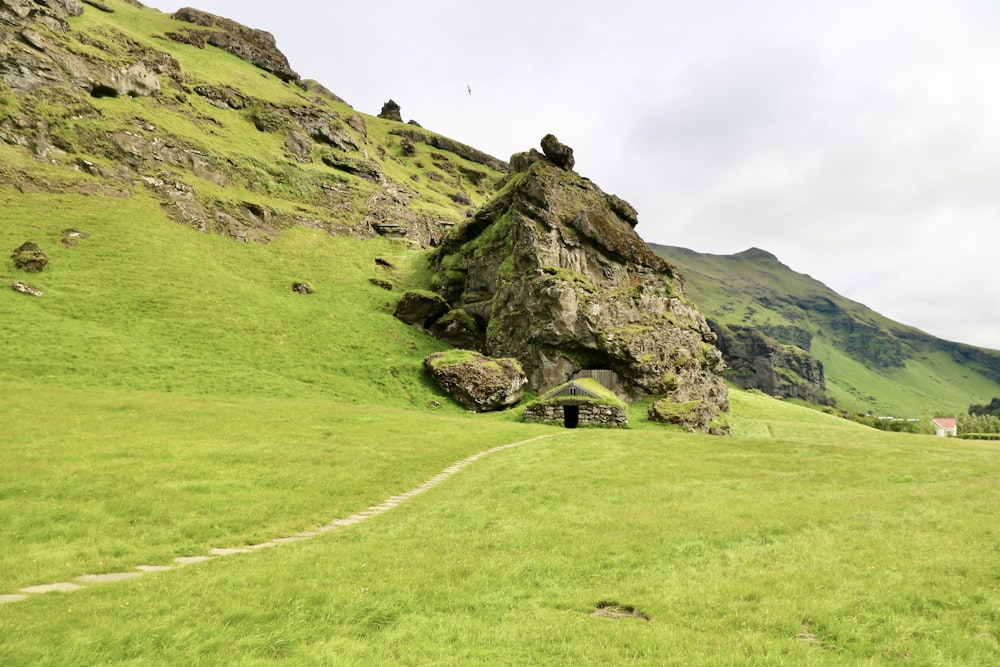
(571, 416)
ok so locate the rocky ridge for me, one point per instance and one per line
(62, 60)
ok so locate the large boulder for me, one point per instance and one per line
(554, 275)
(421, 309)
(30, 258)
(477, 382)
(559, 153)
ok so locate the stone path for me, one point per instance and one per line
(181, 561)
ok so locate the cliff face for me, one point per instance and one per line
(757, 361)
(552, 273)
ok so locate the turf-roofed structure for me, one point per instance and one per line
(580, 402)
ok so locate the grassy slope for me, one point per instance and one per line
(754, 289)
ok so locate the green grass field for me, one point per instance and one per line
(170, 394)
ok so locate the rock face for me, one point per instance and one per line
(756, 361)
(255, 46)
(477, 382)
(28, 257)
(553, 275)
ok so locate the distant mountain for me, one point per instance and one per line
(790, 335)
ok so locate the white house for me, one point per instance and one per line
(945, 426)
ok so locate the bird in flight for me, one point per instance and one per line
(469, 88)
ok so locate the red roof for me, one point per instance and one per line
(945, 422)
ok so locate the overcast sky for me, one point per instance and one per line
(857, 140)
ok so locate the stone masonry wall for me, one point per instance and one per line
(590, 415)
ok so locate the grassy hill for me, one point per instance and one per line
(871, 363)
(170, 395)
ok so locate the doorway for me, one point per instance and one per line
(571, 416)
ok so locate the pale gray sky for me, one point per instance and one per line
(857, 140)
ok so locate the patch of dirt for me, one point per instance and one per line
(610, 609)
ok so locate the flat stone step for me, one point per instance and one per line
(229, 552)
(8, 599)
(191, 560)
(62, 587)
(108, 578)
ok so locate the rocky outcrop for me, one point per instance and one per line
(257, 47)
(391, 111)
(477, 382)
(558, 153)
(444, 143)
(52, 13)
(554, 275)
(757, 361)
(25, 288)
(30, 258)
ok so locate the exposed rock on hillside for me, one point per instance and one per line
(30, 258)
(552, 274)
(478, 383)
(757, 361)
(331, 174)
(391, 111)
(255, 46)
(558, 153)
(25, 288)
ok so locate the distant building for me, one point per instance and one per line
(945, 426)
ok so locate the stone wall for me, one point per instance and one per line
(590, 414)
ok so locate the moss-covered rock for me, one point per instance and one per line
(30, 258)
(478, 382)
(553, 273)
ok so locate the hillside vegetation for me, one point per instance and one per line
(171, 396)
(870, 362)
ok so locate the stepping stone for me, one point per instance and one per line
(63, 587)
(108, 578)
(287, 540)
(154, 568)
(191, 560)
(337, 523)
(308, 533)
(7, 599)
(263, 545)
(229, 552)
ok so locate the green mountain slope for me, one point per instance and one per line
(871, 363)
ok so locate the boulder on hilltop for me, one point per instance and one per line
(391, 111)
